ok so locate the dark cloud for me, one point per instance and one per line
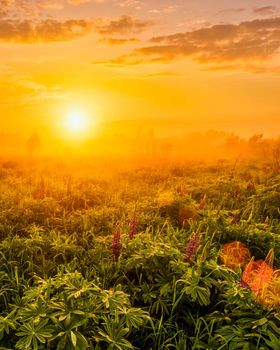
(265, 10)
(123, 25)
(256, 40)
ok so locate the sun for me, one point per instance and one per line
(77, 122)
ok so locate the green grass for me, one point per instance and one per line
(60, 287)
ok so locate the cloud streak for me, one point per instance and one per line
(265, 10)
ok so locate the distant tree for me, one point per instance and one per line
(256, 139)
(33, 144)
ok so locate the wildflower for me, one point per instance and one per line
(192, 247)
(116, 245)
(202, 203)
(133, 226)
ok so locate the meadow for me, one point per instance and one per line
(132, 259)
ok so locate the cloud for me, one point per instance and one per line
(28, 31)
(4, 6)
(28, 91)
(120, 41)
(30, 8)
(36, 29)
(50, 4)
(36, 93)
(136, 4)
(123, 25)
(28, 21)
(52, 30)
(165, 10)
(20, 8)
(257, 40)
(22, 21)
(265, 10)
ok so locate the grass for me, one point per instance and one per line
(107, 262)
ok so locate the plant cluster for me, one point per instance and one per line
(141, 260)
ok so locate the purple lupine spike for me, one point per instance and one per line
(192, 247)
(116, 245)
(133, 227)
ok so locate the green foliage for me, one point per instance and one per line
(62, 289)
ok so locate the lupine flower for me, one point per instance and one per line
(116, 245)
(192, 247)
(202, 203)
(133, 227)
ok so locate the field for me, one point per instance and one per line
(132, 259)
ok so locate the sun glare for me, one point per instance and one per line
(77, 122)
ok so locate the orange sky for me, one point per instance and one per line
(196, 65)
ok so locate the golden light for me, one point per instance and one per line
(77, 122)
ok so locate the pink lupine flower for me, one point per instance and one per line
(192, 247)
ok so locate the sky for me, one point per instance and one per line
(177, 65)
